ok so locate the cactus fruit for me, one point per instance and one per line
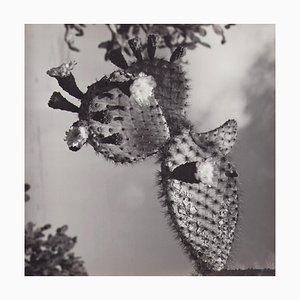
(199, 189)
(129, 115)
(139, 110)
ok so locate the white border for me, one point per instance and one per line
(284, 15)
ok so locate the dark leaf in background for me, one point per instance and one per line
(72, 30)
(135, 29)
(219, 30)
(195, 39)
(46, 227)
(27, 187)
(190, 46)
(105, 45)
(202, 31)
(227, 26)
(127, 51)
(204, 44)
(124, 28)
(62, 229)
(172, 35)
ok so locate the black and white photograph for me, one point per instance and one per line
(149, 149)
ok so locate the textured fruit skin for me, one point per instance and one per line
(202, 209)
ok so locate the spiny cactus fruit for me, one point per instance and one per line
(129, 115)
(199, 189)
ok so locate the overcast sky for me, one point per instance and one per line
(114, 211)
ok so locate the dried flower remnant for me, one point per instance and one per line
(57, 101)
(77, 136)
(142, 89)
(63, 70)
(66, 79)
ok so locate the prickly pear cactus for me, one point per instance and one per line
(130, 114)
(139, 110)
(199, 189)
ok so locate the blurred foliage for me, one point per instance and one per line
(172, 35)
(51, 255)
(73, 30)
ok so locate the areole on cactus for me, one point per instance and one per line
(138, 111)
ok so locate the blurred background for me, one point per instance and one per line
(114, 210)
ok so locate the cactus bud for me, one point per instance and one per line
(178, 53)
(153, 41)
(57, 101)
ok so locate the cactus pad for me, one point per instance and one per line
(130, 114)
(199, 189)
(124, 128)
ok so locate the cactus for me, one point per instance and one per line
(199, 190)
(129, 115)
(139, 110)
